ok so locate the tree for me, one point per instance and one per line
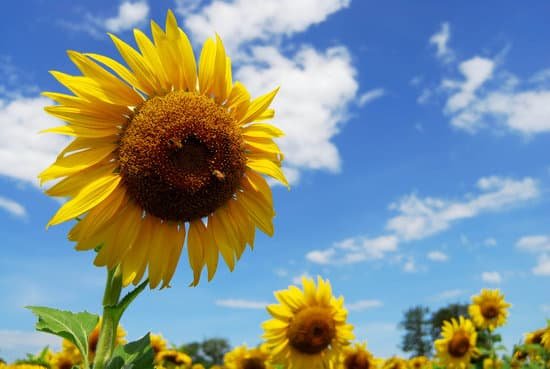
(209, 352)
(417, 328)
(446, 313)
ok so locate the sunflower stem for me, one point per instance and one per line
(110, 318)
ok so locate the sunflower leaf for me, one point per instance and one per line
(74, 327)
(134, 355)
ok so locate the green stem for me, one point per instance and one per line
(110, 319)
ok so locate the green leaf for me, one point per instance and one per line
(134, 355)
(75, 327)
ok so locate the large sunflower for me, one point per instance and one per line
(420, 362)
(457, 344)
(488, 309)
(308, 329)
(242, 357)
(357, 357)
(162, 151)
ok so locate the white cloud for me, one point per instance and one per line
(491, 277)
(534, 243)
(354, 250)
(21, 340)
(476, 72)
(130, 14)
(543, 266)
(298, 279)
(441, 40)
(362, 305)
(281, 272)
(316, 90)
(448, 295)
(421, 217)
(23, 151)
(241, 304)
(410, 266)
(438, 256)
(242, 21)
(490, 242)
(371, 95)
(13, 207)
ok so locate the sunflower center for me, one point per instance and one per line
(459, 344)
(253, 363)
(64, 363)
(181, 156)
(312, 330)
(489, 310)
(357, 360)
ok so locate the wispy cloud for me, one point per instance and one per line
(540, 246)
(130, 14)
(420, 217)
(21, 340)
(370, 96)
(438, 256)
(242, 304)
(448, 295)
(13, 207)
(440, 40)
(491, 277)
(362, 305)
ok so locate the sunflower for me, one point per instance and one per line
(488, 309)
(420, 362)
(357, 357)
(242, 357)
(545, 340)
(395, 362)
(489, 363)
(198, 366)
(308, 329)
(158, 343)
(64, 360)
(173, 359)
(535, 337)
(457, 344)
(163, 152)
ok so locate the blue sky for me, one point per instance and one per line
(417, 144)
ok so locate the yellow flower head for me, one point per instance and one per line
(64, 360)
(163, 152)
(545, 339)
(158, 343)
(535, 337)
(488, 309)
(420, 362)
(198, 366)
(357, 357)
(242, 357)
(309, 328)
(395, 362)
(173, 359)
(489, 363)
(457, 344)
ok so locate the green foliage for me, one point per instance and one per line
(134, 355)
(208, 352)
(417, 332)
(75, 327)
(40, 359)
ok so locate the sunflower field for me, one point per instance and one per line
(169, 163)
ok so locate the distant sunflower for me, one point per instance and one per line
(395, 362)
(420, 362)
(64, 360)
(535, 337)
(545, 340)
(163, 151)
(173, 359)
(489, 363)
(488, 309)
(242, 357)
(158, 343)
(357, 357)
(308, 329)
(457, 344)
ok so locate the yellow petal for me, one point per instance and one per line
(87, 198)
(175, 242)
(207, 64)
(269, 168)
(221, 238)
(75, 163)
(71, 185)
(258, 106)
(260, 214)
(82, 131)
(196, 249)
(262, 130)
